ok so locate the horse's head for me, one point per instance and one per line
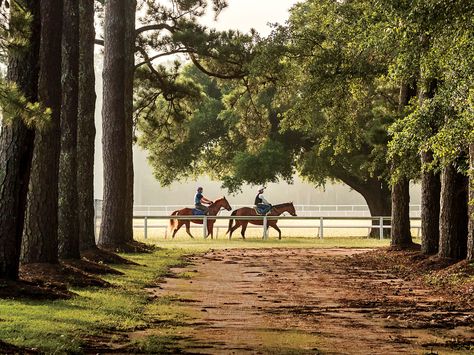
(291, 209)
(223, 203)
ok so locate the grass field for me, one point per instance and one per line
(62, 327)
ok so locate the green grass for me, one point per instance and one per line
(61, 327)
(201, 244)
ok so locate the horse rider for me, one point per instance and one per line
(261, 203)
(199, 199)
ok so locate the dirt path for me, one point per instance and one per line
(274, 301)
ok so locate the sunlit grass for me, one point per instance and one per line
(61, 326)
(294, 242)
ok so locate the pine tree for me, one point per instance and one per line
(16, 139)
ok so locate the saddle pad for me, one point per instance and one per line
(197, 212)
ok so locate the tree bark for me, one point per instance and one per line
(86, 126)
(453, 215)
(40, 240)
(16, 150)
(430, 183)
(112, 229)
(131, 8)
(68, 223)
(430, 196)
(377, 194)
(470, 243)
(401, 235)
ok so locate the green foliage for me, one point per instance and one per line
(15, 31)
(320, 96)
(14, 105)
(440, 36)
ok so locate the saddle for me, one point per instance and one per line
(197, 212)
(261, 210)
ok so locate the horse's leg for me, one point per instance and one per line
(234, 228)
(244, 228)
(188, 228)
(277, 229)
(210, 229)
(180, 223)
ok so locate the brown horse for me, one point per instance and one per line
(214, 209)
(250, 211)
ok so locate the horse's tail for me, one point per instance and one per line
(172, 220)
(231, 221)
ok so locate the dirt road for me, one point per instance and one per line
(310, 301)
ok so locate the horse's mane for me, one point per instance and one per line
(282, 205)
(220, 198)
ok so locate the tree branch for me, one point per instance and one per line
(151, 59)
(159, 26)
(217, 75)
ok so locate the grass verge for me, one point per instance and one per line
(257, 243)
(64, 326)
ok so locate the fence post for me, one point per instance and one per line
(145, 227)
(204, 227)
(321, 227)
(95, 220)
(381, 228)
(265, 229)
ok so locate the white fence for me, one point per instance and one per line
(312, 220)
(301, 210)
(316, 224)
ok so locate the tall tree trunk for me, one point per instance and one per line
(453, 215)
(68, 223)
(401, 235)
(470, 243)
(40, 240)
(86, 126)
(430, 183)
(430, 200)
(131, 8)
(16, 149)
(112, 229)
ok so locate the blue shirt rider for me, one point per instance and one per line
(262, 205)
(199, 199)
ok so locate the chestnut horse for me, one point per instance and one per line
(250, 211)
(214, 209)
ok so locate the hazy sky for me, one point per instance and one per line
(246, 14)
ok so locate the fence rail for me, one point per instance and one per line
(301, 209)
(381, 223)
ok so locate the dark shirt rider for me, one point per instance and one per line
(199, 199)
(261, 203)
